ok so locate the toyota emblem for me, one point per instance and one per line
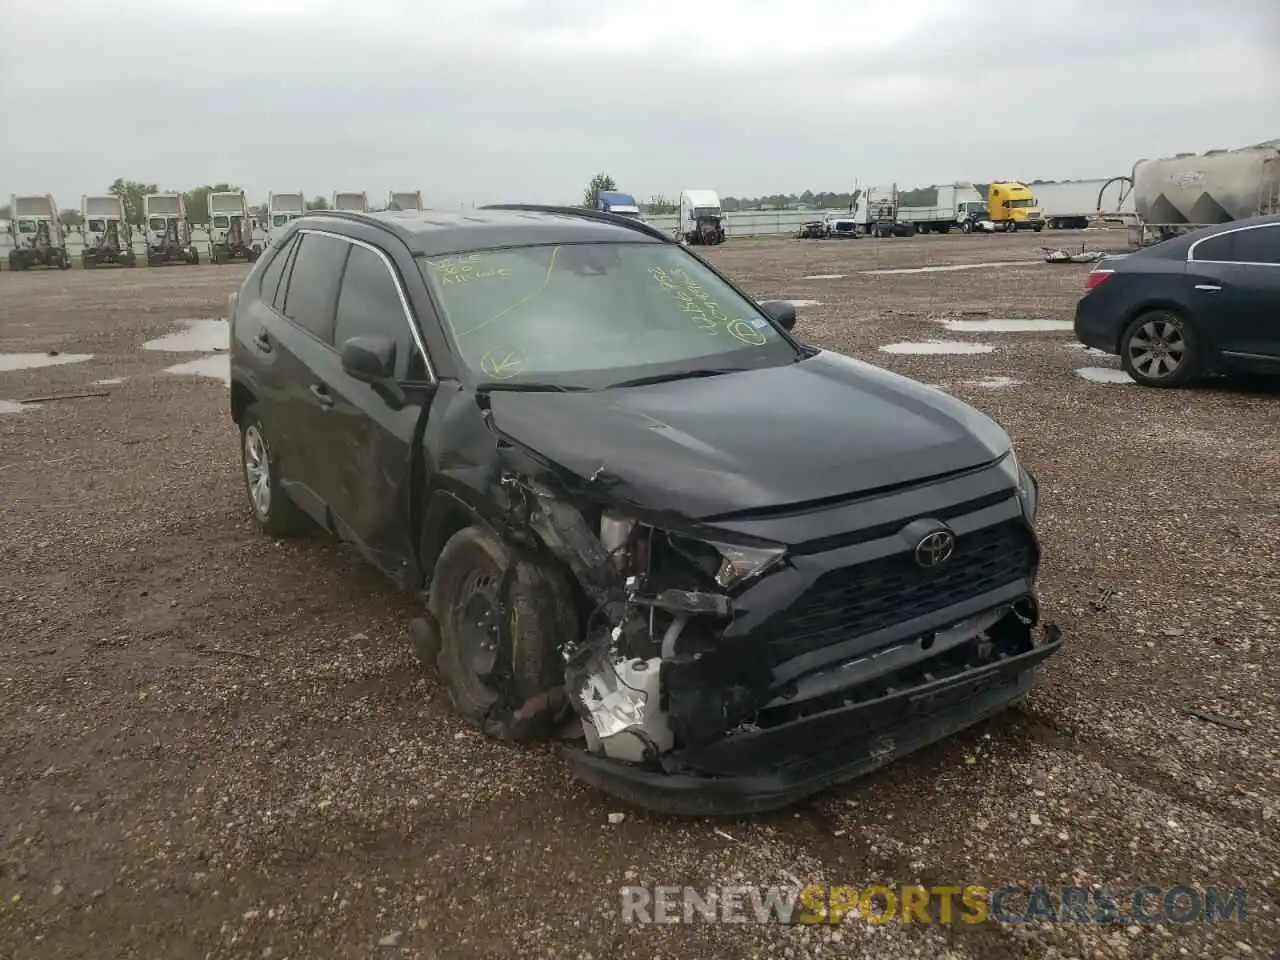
(935, 549)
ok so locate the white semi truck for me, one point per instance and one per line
(108, 235)
(230, 229)
(1071, 204)
(281, 208)
(405, 200)
(878, 212)
(39, 239)
(168, 231)
(354, 202)
(701, 217)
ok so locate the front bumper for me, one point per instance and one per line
(822, 749)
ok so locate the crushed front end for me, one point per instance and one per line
(741, 663)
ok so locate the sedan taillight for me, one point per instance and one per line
(1095, 278)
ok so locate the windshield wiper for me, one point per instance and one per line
(678, 375)
(525, 386)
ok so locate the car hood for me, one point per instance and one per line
(827, 426)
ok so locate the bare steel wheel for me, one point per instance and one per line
(1159, 349)
(272, 509)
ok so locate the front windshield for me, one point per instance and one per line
(26, 226)
(157, 224)
(221, 222)
(1022, 203)
(596, 314)
(699, 212)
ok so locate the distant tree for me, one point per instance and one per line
(591, 196)
(317, 203)
(658, 205)
(70, 218)
(132, 193)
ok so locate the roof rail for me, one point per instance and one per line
(358, 217)
(629, 223)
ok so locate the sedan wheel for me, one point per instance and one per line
(1159, 349)
(257, 472)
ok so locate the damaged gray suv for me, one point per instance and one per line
(723, 568)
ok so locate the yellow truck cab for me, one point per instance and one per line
(1013, 207)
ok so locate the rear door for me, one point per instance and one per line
(302, 339)
(371, 441)
(1253, 291)
(1210, 290)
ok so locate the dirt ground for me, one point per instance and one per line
(216, 745)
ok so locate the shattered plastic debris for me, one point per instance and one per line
(938, 346)
(9, 406)
(1104, 375)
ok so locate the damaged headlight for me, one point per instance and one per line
(738, 564)
(1028, 488)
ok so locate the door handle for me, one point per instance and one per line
(321, 393)
(262, 341)
(1209, 287)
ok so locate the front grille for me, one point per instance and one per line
(847, 603)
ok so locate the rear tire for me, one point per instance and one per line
(1160, 348)
(502, 617)
(274, 513)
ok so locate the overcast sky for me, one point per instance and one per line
(489, 100)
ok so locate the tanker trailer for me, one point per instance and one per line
(1178, 194)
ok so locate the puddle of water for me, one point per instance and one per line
(1010, 325)
(826, 276)
(938, 346)
(198, 336)
(8, 406)
(1104, 375)
(217, 366)
(1092, 351)
(803, 303)
(29, 361)
(108, 382)
(994, 383)
(949, 268)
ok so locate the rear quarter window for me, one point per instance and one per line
(1217, 248)
(1257, 245)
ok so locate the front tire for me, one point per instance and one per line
(502, 617)
(274, 513)
(1160, 349)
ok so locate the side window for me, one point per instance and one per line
(1259, 245)
(1217, 248)
(312, 297)
(369, 305)
(274, 270)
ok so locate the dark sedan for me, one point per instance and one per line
(1205, 302)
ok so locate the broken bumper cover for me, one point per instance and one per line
(810, 754)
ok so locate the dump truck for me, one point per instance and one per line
(108, 235)
(623, 204)
(1071, 204)
(168, 231)
(39, 239)
(1013, 206)
(281, 208)
(230, 229)
(405, 200)
(1180, 193)
(701, 217)
(354, 202)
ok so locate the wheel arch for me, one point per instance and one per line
(443, 515)
(1161, 303)
(242, 397)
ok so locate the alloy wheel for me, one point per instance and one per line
(257, 471)
(1157, 349)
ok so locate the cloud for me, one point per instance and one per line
(519, 99)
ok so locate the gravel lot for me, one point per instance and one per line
(216, 745)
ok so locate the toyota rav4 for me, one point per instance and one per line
(723, 568)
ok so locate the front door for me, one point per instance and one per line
(368, 441)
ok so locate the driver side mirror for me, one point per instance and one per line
(783, 313)
(372, 360)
